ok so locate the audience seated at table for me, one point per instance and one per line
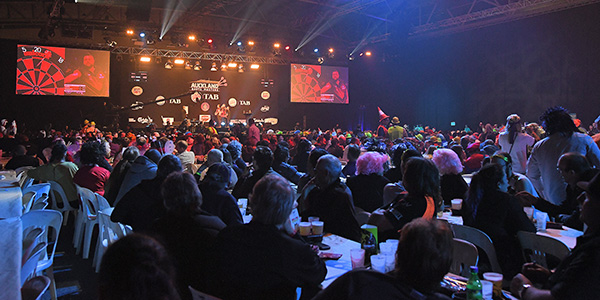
(262, 159)
(306, 184)
(395, 174)
(423, 258)
(143, 203)
(238, 165)
(186, 230)
(21, 159)
(392, 190)
(353, 153)
(452, 184)
(517, 182)
(136, 267)
(577, 276)
(215, 199)
(331, 200)
(90, 175)
(60, 171)
(422, 199)
(491, 209)
(259, 260)
(367, 186)
(300, 160)
(143, 168)
(117, 176)
(281, 166)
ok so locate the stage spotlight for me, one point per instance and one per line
(241, 68)
(197, 66)
(276, 45)
(142, 34)
(250, 43)
(254, 66)
(330, 50)
(129, 32)
(188, 65)
(232, 64)
(368, 53)
(150, 40)
(169, 65)
(179, 61)
(287, 47)
(213, 67)
(239, 43)
(321, 60)
(223, 66)
(210, 41)
(316, 50)
(192, 37)
(145, 59)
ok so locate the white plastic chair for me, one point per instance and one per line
(92, 203)
(34, 288)
(28, 199)
(56, 188)
(479, 239)
(29, 267)
(465, 254)
(536, 248)
(24, 180)
(50, 221)
(42, 192)
(109, 233)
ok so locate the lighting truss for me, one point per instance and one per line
(238, 58)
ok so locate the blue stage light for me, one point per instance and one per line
(316, 50)
(239, 44)
(142, 34)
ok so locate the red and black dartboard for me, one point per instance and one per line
(39, 71)
(305, 86)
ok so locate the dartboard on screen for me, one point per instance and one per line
(318, 84)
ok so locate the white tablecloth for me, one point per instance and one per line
(567, 235)
(335, 268)
(11, 236)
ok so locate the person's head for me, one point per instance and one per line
(397, 151)
(489, 179)
(167, 165)
(136, 267)
(59, 151)
(89, 61)
(335, 75)
(218, 175)
(421, 178)
(513, 123)
(370, 162)
(281, 155)
(262, 158)
(407, 155)
(153, 155)
(131, 153)
(181, 146)
(20, 150)
(272, 200)
(557, 120)
(353, 152)
(447, 161)
(91, 153)
(327, 170)
(304, 145)
(250, 121)
(458, 149)
(424, 253)
(235, 149)
(180, 194)
(571, 166)
(504, 160)
(591, 205)
(214, 156)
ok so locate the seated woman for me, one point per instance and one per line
(186, 231)
(215, 199)
(491, 209)
(90, 175)
(452, 184)
(259, 260)
(421, 199)
(394, 189)
(423, 258)
(136, 267)
(516, 182)
(367, 186)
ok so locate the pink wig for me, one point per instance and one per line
(370, 162)
(447, 161)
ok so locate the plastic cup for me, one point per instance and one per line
(487, 289)
(456, 204)
(394, 244)
(242, 202)
(390, 262)
(496, 279)
(529, 212)
(317, 227)
(305, 228)
(540, 220)
(378, 263)
(357, 256)
(312, 219)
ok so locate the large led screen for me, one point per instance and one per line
(319, 84)
(43, 70)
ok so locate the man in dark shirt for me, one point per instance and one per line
(331, 200)
(21, 159)
(262, 159)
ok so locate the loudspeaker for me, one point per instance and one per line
(138, 10)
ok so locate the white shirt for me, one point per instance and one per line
(518, 154)
(541, 167)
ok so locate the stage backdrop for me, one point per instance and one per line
(152, 94)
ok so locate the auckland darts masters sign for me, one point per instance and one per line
(207, 89)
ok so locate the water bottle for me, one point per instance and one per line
(474, 285)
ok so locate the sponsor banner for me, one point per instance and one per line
(265, 108)
(265, 95)
(244, 102)
(175, 101)
(204, 118)
(160, 103)
(238, 121)
(207, 89)
(137, 90)
(144, 120)
(205, 106)
(131, 120)
(232, 102)
(167, 120)
(196, 97)
(186, 109)
(138, 105)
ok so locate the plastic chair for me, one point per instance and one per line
(56, 188)
(34, 288)
(50, 221)
(31, 238)
(535, 247)
(109, 233)
(41, 190)
(92, 203)
(24, 180)
(198, 295)
(30, 265)
(465, 255)
(479, 239)
(28, 199)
